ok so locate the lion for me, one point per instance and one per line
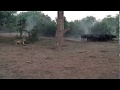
(21, 42)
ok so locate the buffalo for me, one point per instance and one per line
(98, 37)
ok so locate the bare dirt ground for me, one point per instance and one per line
(77, 60)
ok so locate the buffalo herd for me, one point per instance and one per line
(98, 37)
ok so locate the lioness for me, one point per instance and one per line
(21, 41)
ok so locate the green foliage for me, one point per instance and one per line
(37, 24)
(21, 25)
(108, 25)
(66, 23)
(100, 27)
(76, 30)
(43, 23)
(33, 35)
(7, 21)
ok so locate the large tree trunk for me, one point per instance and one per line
(60, 30)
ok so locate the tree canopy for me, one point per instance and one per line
(47, 27)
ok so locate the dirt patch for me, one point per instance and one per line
(77, 60)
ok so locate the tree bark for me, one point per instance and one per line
(60, 30)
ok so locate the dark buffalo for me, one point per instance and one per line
(98, 37)
(113, 36)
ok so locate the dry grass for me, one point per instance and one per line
(77, 60)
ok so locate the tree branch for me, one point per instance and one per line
(65, 30)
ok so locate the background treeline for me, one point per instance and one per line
(11, 22)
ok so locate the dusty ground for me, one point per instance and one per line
(77, 60)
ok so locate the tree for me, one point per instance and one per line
(7, 20)
(100, 28)
(60, 30)
(108, 25)
(117, 24)
(21, 25)
(33, 35)
(43, 23)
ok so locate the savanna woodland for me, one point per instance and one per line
(35, 46)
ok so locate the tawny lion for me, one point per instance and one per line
(22, 41)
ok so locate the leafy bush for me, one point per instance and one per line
(18, 37)
(33, 35)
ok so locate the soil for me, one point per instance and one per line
(76, 60)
